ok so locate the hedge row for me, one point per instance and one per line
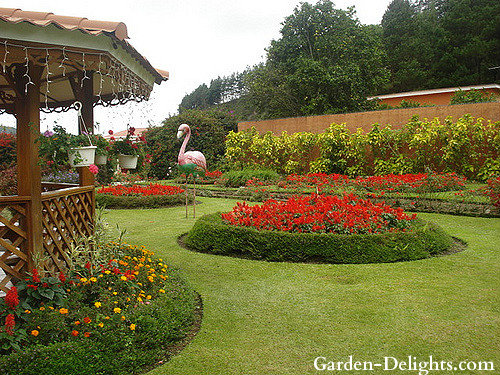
(211, 234)
(149, 201)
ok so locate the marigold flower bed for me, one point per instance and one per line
(140, 196)
(88, 321)
(318, 229)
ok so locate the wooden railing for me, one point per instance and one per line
(13, 257)
(67, 215)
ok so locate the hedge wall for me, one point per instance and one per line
(149, 201)
(211, 234)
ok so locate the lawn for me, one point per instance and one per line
(275, 318)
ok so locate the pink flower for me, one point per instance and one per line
(93, 169)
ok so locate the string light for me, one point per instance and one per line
(61, 65)
(47, 79)
(5, 56)
(26, 74)
(84, 70)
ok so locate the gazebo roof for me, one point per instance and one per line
(71, 48)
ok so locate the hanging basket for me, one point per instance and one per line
(101, 159)
(81, 156)
(127, 161)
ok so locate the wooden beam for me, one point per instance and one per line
(28, 169)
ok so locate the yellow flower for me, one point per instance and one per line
(115, 293)
(93, 279)
(101, 324)
(107, 272)
(162, 291)
(117, 310)
(107, 317)
(35, 332)
(42, 308)
(123, 278)
(139, 299)
(97, 304)
(140, 284)
(150, 278)
(50, 307)
(63, 310)
(83, 280)
(132, 327)
(148, 297)
(122, 318)
(27, 311)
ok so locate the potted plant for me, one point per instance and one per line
(127, 149)
(53, 147)
(101, 153)
(81, 152)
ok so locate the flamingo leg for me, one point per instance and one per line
(194, 199)
(186, 190)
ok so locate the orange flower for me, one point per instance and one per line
(35, 332)
(63, 310)
(86, 334)
(77, 322)
(87, 320)
(74, 332)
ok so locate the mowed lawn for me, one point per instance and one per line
(276, 318)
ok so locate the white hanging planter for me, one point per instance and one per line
(101, 159)
(127, 161)
(81, 156)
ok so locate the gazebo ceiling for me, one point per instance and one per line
(71, 50)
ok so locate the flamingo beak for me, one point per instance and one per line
(180, 133)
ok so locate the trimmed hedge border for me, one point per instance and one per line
(210, 234)
(147, 201)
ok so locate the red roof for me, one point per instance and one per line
(117, 30)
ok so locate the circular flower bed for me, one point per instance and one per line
(140, 196)
(321, 229)
(109, 318)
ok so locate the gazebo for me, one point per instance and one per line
(47, 63)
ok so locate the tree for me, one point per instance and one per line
(324, 62)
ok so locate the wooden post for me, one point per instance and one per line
(86, 97)
(28, 169)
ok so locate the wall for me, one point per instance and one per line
(441, 98)
(364, 120)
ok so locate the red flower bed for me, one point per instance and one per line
(406, 182)
(322, 214)
(140, 190)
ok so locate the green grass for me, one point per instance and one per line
(275, 318)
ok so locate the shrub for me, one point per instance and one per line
(8, 180)
(209, 129)
(211, 234)
(7, 149)
(472, 96)
(493, 191)
(240, 178)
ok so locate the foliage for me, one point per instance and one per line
(209, 129)
(443, 43)
(7, 149)
(493, 191)
(237, 178)
(211, 234)
(8, 180)
(324, 62)
(130, 307)
(468, 147)
(130, 145)
(472, 96)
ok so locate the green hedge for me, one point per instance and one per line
(211, 234)
(150, 201)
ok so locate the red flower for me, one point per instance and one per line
(35, 275)
(62, 277)
(139, 190)
(110, 132)
(10, 323)
(11, 298)
(88, 265)
(74, 333)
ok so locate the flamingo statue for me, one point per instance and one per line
(190, 163)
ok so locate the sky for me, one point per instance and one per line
(195, 40)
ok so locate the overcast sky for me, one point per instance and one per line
(195, 40)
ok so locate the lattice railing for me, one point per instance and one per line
(67, 215)
(13, 257)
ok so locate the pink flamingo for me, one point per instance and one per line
(190, 163)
